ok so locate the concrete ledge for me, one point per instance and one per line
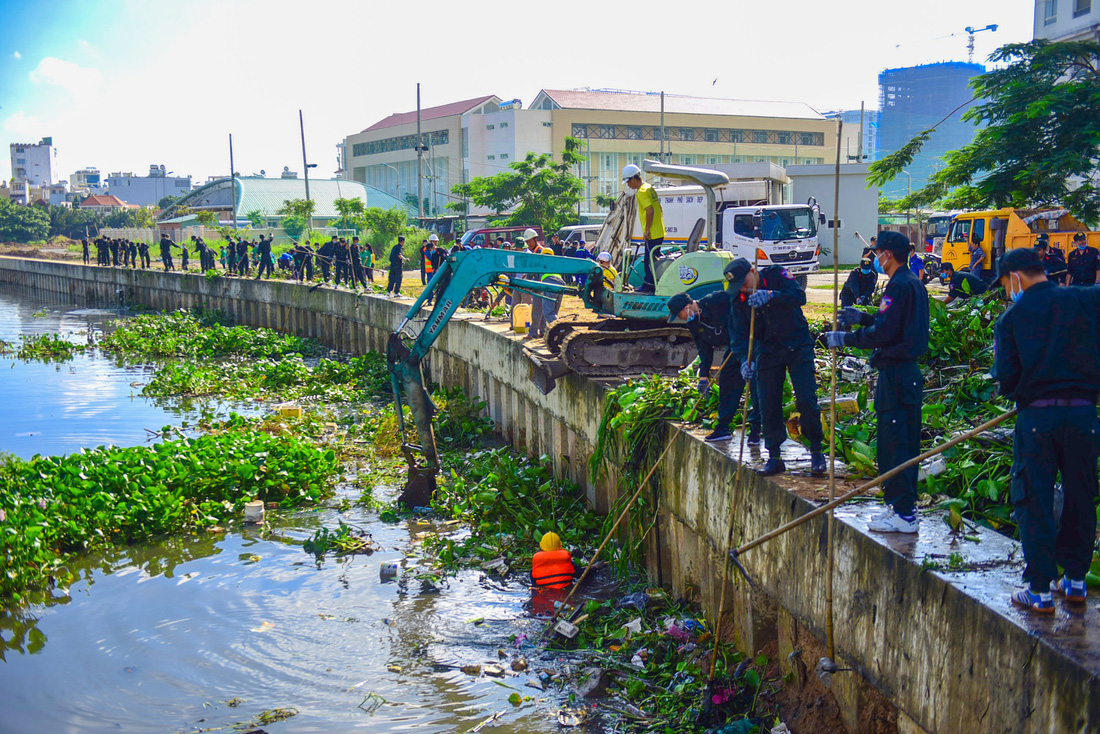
(943, 647)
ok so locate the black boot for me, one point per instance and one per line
(817, 465)
(773, 467)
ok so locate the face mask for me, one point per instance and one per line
(878, 267)
(691, 316)
(865, 271)
(1017, 294)
(1082, 245)
(630, 191)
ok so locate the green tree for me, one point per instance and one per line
(167, 201)
(350, 212)
(294, 225)
(538, 189)
(207, 218)
(384, 224)
(23, 223)
(255, 218)
(298, 207)
(1040, 140)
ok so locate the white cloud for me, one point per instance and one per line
(73, 77)
(17, 55)
(23, 125)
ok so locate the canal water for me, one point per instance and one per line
(204, 633)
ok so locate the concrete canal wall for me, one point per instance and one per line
(930, 650)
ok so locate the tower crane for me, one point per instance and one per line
(970, 30)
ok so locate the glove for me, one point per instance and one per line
(748, 370)
(704, 386)
(849, 317)
(835, 339)
(760, 298)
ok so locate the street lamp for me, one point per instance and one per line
(396, 178)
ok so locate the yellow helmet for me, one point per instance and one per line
(550, 542)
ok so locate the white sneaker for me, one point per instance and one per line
(891, 522)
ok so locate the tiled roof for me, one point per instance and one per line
(432, 113)
(678, 104)
(104, 200)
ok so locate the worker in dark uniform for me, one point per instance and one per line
(266, 261)
(355, 257)
(143, 254)
(711, 326)
(898, 333)
(1047, 349)
(132, 247)
(1082, 261)
(325, 254)
(85, 252)
(962, 284)
(785, 347)
(397, 263)
(860, 286)
(166, 252)
(341, 263)
(243, 263)
(1054, 263)
(114, 253)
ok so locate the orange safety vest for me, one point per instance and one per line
(553, 569)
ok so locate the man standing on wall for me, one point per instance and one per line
(165, 252)
(652, 218)
(397, 262)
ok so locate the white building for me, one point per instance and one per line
(33, 162)
(1067, 20)
(858, 206)
(147, 190)
(88, 180)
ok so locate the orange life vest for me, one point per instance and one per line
(553, 569)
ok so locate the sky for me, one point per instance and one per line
(123, 84)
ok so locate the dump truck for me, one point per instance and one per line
(1000, 230)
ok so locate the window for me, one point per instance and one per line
(688, 160)
(491, 127)
(712, 160)
(580, 130)
(634, 132)
(547, 123)
(607, 132)
(21, 161)
(687, 133)
(759, 136)
(1050, 12)
(742, 225)
(737, 136)
(492, 157)
(504, 124)
(1081, 7)
(504, 156)
(960, 231)
(710, 135)
(607, 162)
(783, 138)
(806, 138)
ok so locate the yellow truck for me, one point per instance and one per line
(1000, 230)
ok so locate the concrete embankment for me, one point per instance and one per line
(931, 648)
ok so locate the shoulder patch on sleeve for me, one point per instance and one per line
(885, 305)
(786, 274)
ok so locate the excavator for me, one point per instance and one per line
(631, 336)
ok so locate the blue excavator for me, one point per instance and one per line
(630, 335)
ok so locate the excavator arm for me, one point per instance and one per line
(460, 274)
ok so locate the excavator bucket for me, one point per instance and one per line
(544, 371)
(420, 484)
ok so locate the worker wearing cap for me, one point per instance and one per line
(962, 284)
(711, 325)
(977, 257)
(552, 566)
(860, 286)
(1053, 261)
(1047, 350)
(1082, 261)
(898, 333)
(785, 347)
(652, 218)
(397, 266)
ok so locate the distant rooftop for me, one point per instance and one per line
(629, 101)
(433, 113)
(266, 195)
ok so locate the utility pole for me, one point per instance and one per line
(419, 161)
(435, 204)
(232, 183)
(663, 127)
(305, 164)
(859, 149)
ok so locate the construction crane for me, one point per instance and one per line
(970, 31)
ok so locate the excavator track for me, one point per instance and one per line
(600, 353)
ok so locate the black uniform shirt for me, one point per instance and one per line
(1082, 264)
(709, 328)
(1047, 345)
(264, 248)
(780, 325)
(395, 256)
(899, 331)
(862, 285)
(965, 285)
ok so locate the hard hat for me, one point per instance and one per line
(630, 171)
(433, 238)
(550, 542)
(529, 234)
(604, 256)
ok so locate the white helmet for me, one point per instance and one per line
(630, 171)
(530, 234)
(433, 238)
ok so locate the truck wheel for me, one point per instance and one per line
(802, 280)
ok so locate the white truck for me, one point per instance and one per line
(783, 234)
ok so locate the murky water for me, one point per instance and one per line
(159, 637)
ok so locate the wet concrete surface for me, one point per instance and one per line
(987, 571)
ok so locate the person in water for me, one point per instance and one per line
(552, 567)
